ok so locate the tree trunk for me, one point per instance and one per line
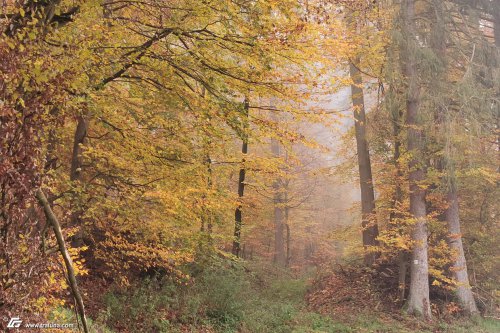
(418, 301)
(402, 270)
(52, 219)
(206, 214)
(445, 163)
(369, 225)
(496, 16)
(279, 244)
(395, 216)
(75, 175)
(78, 141)
(288, 241)
(397, 200)
(287, 228)
(459, 266)
(238, 220)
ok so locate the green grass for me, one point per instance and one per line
(229, 299)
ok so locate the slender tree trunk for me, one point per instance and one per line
(287, 228)
(288, 243)
(75, 175)
(418, 301)
(402, 272)
(279, 244)
(207, 218)
(397, 200)
(76, 156)
(459, 266)
(395, 215)
(370, 228)
(369, 224)
(52, 219)
(238, 220)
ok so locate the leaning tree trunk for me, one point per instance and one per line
(370, 228)
(418, 300)
(459, 265)
(52, 219)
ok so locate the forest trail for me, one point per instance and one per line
(250, 166)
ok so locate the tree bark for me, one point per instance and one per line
(75, 175)
(52, 219)
(238, 219)
(496, 31)
(459, 266)
(369, 225)
(418, 301)
(445, 163)
(402, 271)
(207, 218)
(79, 139)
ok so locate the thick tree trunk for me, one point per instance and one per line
(52, 219)
(418, 300)
(370, 228)
(238, 220)
(445, 163)
(459, 266)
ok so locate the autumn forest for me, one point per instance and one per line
(249, 166)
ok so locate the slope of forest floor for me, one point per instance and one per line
(256, 298)
(366, 300)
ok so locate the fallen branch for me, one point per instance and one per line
(52, 219)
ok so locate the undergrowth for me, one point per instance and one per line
(229, 298)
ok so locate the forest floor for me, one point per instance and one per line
(231, 298)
